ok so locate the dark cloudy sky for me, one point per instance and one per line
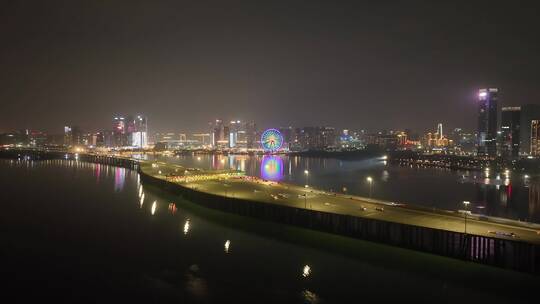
(388, 64)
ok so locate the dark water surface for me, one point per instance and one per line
(515, 196)
(77, 231)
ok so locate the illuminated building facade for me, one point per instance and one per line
(315, 138)
(510, 132)
(251, 135)
(487, 121)
(234, 129)
(529, 112)
(72, 136)
(220, 135)
(130, 131)
(535, 137)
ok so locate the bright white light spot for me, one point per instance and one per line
(186, 227)
(306, 272)
(154, 205)
(227, 244)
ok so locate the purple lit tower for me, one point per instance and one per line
(487, 121)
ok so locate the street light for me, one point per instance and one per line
(466, 203)
(370, 181)
(306, 172)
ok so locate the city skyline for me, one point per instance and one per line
(357, 66)
(270, 151)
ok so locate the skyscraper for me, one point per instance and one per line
(529, 112)
(251, 134)
(487, 121)
(233, 134)
(439, 131)
(510, 131)
(119, 132)
(220, 134)
(535, 137)
(139, 132)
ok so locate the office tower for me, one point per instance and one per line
(251, 134)
(510, 132)
(119, 132)
(535, 137)
(73, 136)
(234, 128)
(487, 122)
(529, 112)
(439, 131)
(241, 135)
(220, 135)
(68, 136)
(288, 134)
(138, 131)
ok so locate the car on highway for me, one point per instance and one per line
(363, 208)
(502, 233)
(379, 209)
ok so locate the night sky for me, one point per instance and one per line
(185, 63)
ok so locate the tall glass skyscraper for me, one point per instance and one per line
(487, 121)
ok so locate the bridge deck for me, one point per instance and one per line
(255, 189)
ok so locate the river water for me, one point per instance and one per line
(514, 196)
(86, 232)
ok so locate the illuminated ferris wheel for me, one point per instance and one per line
(271, 140)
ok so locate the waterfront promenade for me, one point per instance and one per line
(236, 186)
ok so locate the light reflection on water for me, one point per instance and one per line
(154, 206)
(272, 168)
(227, 245)
(119, 178)
(186, 227)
